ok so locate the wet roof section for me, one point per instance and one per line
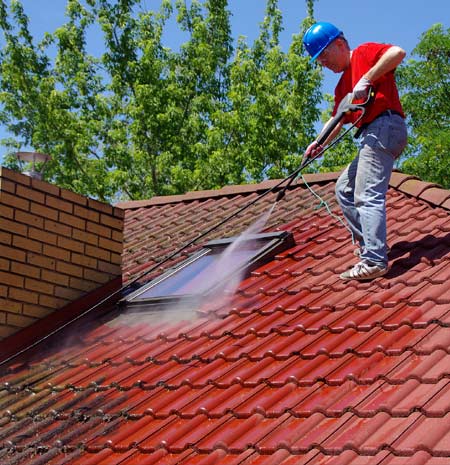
(298, 368)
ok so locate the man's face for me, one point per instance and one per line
(336, 56)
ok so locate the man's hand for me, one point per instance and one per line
(312, 151)
(361, 89)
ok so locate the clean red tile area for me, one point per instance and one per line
(296, 368)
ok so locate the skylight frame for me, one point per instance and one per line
(272, 243)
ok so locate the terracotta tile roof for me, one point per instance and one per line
(299, 368)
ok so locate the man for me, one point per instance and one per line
(361, 188)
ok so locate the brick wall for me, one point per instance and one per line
(55, 246)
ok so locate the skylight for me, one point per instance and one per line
(211, 267)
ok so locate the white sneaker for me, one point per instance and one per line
(363, 271)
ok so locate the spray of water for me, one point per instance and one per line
(224, 285)
(219, 278)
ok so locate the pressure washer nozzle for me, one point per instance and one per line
(280, 195)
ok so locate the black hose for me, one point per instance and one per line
(129, 286)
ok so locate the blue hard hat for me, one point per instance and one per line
(318, 37)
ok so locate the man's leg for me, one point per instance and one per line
(371, 185)
(381, 143)
(345, 195)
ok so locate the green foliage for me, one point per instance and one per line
(310, 8)
(425, 82)
(142, 119)
(273, 98)
(55, 109)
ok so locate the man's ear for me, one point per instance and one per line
(339, 41)
(342, 43)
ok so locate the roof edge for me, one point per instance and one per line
(406, 183)
(225, 191)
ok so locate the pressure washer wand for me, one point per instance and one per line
(293, 176)
(345, 106)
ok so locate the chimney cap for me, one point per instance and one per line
(33, 158)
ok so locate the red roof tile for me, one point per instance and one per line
(298, 368)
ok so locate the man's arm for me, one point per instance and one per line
(333, 133)
(314, 148)
(391, 58)
(388, 61)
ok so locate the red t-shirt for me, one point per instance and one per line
(386, 95)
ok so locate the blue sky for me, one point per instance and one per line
(400, 22)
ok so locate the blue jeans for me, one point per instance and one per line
(361, 188)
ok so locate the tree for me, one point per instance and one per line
(143, 120)
(273, 99)
(56, 108)
(425, 82)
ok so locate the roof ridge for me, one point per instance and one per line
(225, 191)
(409, 184)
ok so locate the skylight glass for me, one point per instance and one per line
(213, 266)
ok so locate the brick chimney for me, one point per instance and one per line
(55, 246)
